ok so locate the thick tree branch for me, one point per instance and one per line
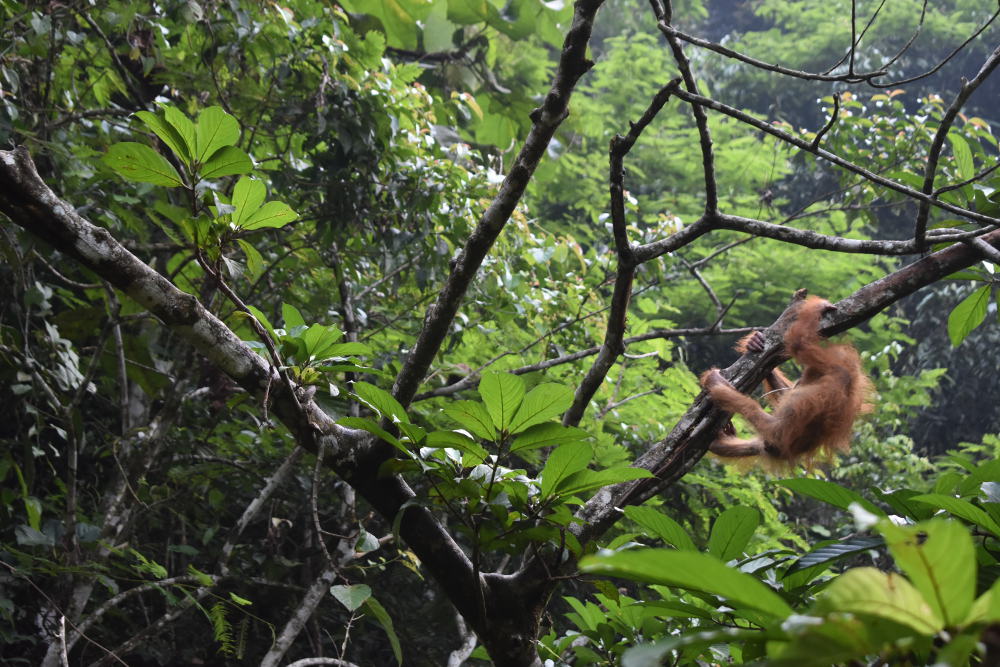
(614, 335)
(30, 204)
(671, 458)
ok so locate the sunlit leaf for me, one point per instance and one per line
(138, 162)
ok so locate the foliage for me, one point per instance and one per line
(313, 175)
(790, 607)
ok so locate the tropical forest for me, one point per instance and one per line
(528, 333)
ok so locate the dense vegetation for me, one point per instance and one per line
(368, 332)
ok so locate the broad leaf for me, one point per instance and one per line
(473, 417)
(167, 133)
(828, 492)
(501, 394)
(731, 532)
(248, 195)
(215, 129)
(661, 526)
(542, 403)
(381, 401)
(968, 315)
(870, 592)
(939, 558)
(830, 553)
(691, 571)
(351, 597)
(138, 162)
(962, 509)
(459, 441)
(585, 480)
(228, 161)
(273, 214)
(183, 125)
(548, 434)
(563, 462)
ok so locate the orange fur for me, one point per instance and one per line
(812, 419)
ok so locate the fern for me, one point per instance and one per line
(222, 629)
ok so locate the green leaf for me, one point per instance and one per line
(939, 559)
(731, 532)
(867, 591)
(352, 596)
(248, 195)
(542, 403)
(828, 492)
(228, 161)
(255, 263)
(585, 480)
(262, 319)
(963, 156)
(692, 571)
(376, 430)
(243, 602)
(168, 134)
(563, 462)
(473, 417)
(459, 441)
(960, 508)
(215, 129)
(328, 348)
(291, 316)
(661, 526)
(138, 162)
(375, 608)
(548, 434)
(33, 508)
(273, 214)
(968, 315)
(184, 127)
(501, 394)
(381, 401)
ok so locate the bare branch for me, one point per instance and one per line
(934, 153)
(573, 64)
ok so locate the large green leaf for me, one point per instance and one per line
(871, 592)
(692, 571)
(501, 394)
(227, 161)
(968, 315)
(167, 133)
(381, 400)
(542, 403)
(473, 417)
(272, 214)
(138, 162)
(661, 526)
(463, 443)
(939, 558)
(563, 462)
(185, 128)
(248, 195)
(586, 480)
(548, 434)
(960, 508)
(828, 492)
(731, 532)
(215, 129)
